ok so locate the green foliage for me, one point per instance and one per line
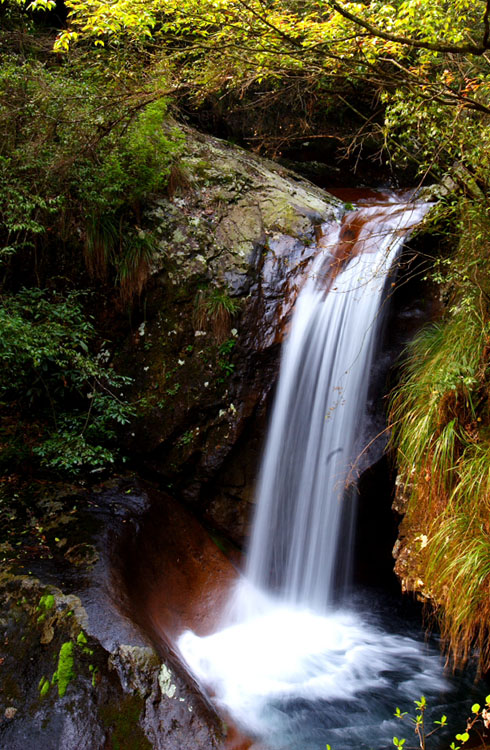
(424, 60)
(440, 415)
(47, 369)
(186, 438)
(132, 166)
(82, 145)
(224, 354)
(481, 716)
(423, 733)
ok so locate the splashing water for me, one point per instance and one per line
(290, 666)
(298, 679)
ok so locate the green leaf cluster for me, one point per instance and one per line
(83, 144)
(48, 371)
(423, 733)
(426, 61)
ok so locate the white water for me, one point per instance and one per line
(284, 648)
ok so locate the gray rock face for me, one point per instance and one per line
(235, 241)
(229, 203)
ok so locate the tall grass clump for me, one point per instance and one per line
(214, 310)
(441, 430)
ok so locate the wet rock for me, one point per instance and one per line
(172, 573)
(74, 671)
(133, 665)
(235, 243)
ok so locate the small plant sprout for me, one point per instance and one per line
(423, 734)
(400, 714)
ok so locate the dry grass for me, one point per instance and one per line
(127, 253)
(213, 311)
(441, 431)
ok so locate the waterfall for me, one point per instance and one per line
(290, 665)
(319, 412)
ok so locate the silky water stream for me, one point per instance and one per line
(300, 659)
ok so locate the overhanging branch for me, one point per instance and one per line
(464, 49)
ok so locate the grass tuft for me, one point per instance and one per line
(440, 415)
(214, 310)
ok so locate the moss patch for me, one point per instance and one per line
(44, 686)
(65, 672)
(82, 639)
(122, 721)
(46, 602)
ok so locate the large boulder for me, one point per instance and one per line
(235, 242)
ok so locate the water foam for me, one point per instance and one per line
(290, 669)
(264, 667)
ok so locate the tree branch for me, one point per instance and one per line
(471, 49)
(265, 21)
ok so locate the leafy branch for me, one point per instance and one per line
(464, 49)
(480, 715)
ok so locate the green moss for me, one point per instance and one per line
(65, 672)
(122, 721)
(81, 639)
(44, 686)
(46, 602)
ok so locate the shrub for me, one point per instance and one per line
(81, 148)
(65, 401)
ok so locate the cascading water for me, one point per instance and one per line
(289, 665)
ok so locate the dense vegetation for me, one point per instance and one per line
(85, 136)
(81, 146)
(441, 422)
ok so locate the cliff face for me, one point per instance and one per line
(235, 241)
